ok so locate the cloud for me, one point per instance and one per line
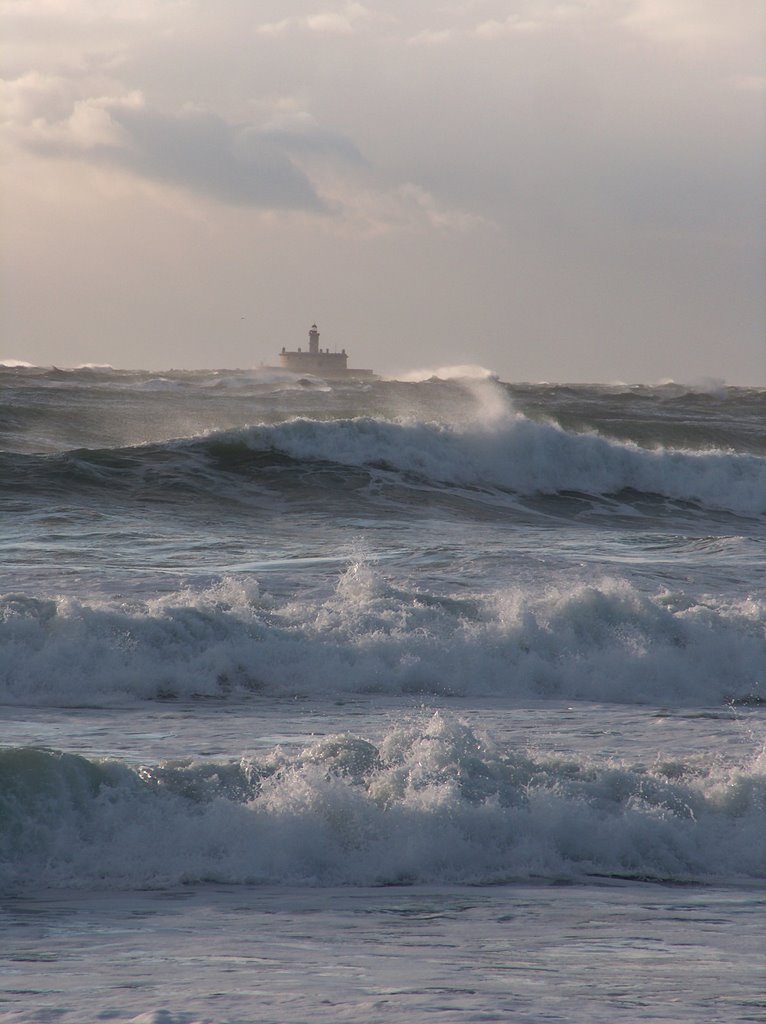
(44, 112)
(238, 164)
(418, 201)
(301, 136)
(684, 24)
(202, 151)
(691, 22)
(530, 18)
(32, 95)
(750, 83)
(342, 22)
(512, 25)
(407, 209)
(432, 37)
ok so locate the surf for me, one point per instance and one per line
(602, 640)
(432, 801)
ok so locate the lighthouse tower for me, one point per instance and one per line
(314, 340)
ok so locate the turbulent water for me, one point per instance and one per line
(299, 637)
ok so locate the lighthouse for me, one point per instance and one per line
(323, 363)
(314, 340)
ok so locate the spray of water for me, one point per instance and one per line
(489, 403)
(464, 371)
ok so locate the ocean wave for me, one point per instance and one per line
(603, 641)
(512, 455)
(434, 801)
(523, 456)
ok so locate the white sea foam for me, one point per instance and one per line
(602, 640)
(432, 802)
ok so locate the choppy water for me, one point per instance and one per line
(287, 636)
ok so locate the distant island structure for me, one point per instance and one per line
(323, 362)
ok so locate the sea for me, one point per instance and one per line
(433, 699)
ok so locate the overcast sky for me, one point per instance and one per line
(568, 191)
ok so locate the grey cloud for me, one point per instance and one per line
(308, 141)
(203, 152)
(238, 164)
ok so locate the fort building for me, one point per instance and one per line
(322, 362)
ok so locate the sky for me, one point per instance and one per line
(562, 191)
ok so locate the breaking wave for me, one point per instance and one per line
(432, 802)
(604, 641)
(514, 455)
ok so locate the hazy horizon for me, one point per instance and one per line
(554, 191)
